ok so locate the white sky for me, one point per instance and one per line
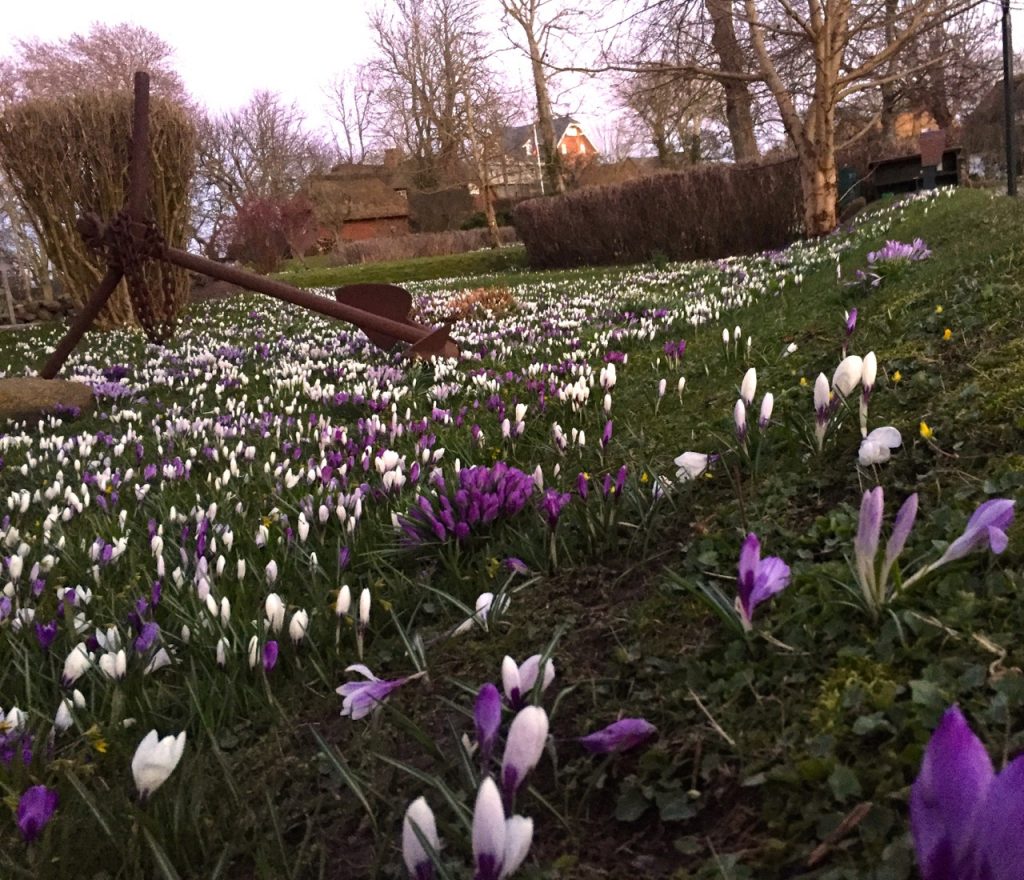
(224, 51)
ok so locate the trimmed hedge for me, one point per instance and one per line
(704, 213)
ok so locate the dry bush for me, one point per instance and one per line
(702, 213)
(421, 244)
(69, 156)
(471, 303)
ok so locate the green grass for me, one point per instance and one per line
(766, 744)
(483, 262)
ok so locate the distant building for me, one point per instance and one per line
(517, 173)
(356, 201)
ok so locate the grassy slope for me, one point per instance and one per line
(764, 746)
(765, 749)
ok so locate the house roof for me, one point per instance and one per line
(364, 198)
(990, 109)
(514, 137)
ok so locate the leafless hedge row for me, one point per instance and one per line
(704, 213)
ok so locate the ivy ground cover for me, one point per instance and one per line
(676, 573)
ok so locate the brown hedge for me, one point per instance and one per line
(703, 213)
(69, 156)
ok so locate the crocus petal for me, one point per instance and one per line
(955, 777)
(518, 837)
(772, 578)
(987, 525)
(750, 558)
(488, 832)
(996, 832)
(869, 528)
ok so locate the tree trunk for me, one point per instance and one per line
(738, 116)
(482, 174)
(819, 186)
(888, 117)
(545, 122)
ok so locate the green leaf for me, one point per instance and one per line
(631, 805)
(844, 783)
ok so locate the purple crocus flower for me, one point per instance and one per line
(620, 736)
(487, 719)
(987, 526)
(851, 321)
(552, 503)
(965, 818)
(46, 633)
(759, 579)
(270, 652)
(360, 697)
(35, 809)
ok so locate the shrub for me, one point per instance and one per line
(701, 213)
(69, 156)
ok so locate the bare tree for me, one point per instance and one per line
(670, 109)
(422, 64)
(104, 58)
(352, 104)
(260, 151)
(533, 27)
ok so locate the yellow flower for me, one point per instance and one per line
(266, 521)
(492, 567)
(926, 432)
(96, 739)
(644, 477)
(938, 310)
(897, 376)
(947, 334)
(803, 380)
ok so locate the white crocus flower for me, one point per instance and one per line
(155, 760)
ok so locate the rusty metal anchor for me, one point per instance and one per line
(381, 311)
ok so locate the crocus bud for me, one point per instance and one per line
(271, 572)
(487, 719)
(364, 608)
(419, 817)
(298, 626)
(748, 388)
(114, 665)
(275, 612)
(525, 744)
(222, 652)
(767, 404)
(344, 601)
(739, 415)
(155, 760)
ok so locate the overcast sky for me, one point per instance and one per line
(226, 51)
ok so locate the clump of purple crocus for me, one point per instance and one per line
(482, 496)
(965, 818)
(759, 579)
(900, 252)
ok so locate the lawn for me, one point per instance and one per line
(268, 501)
(319, 273)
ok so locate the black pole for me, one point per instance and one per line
(1008, 96)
